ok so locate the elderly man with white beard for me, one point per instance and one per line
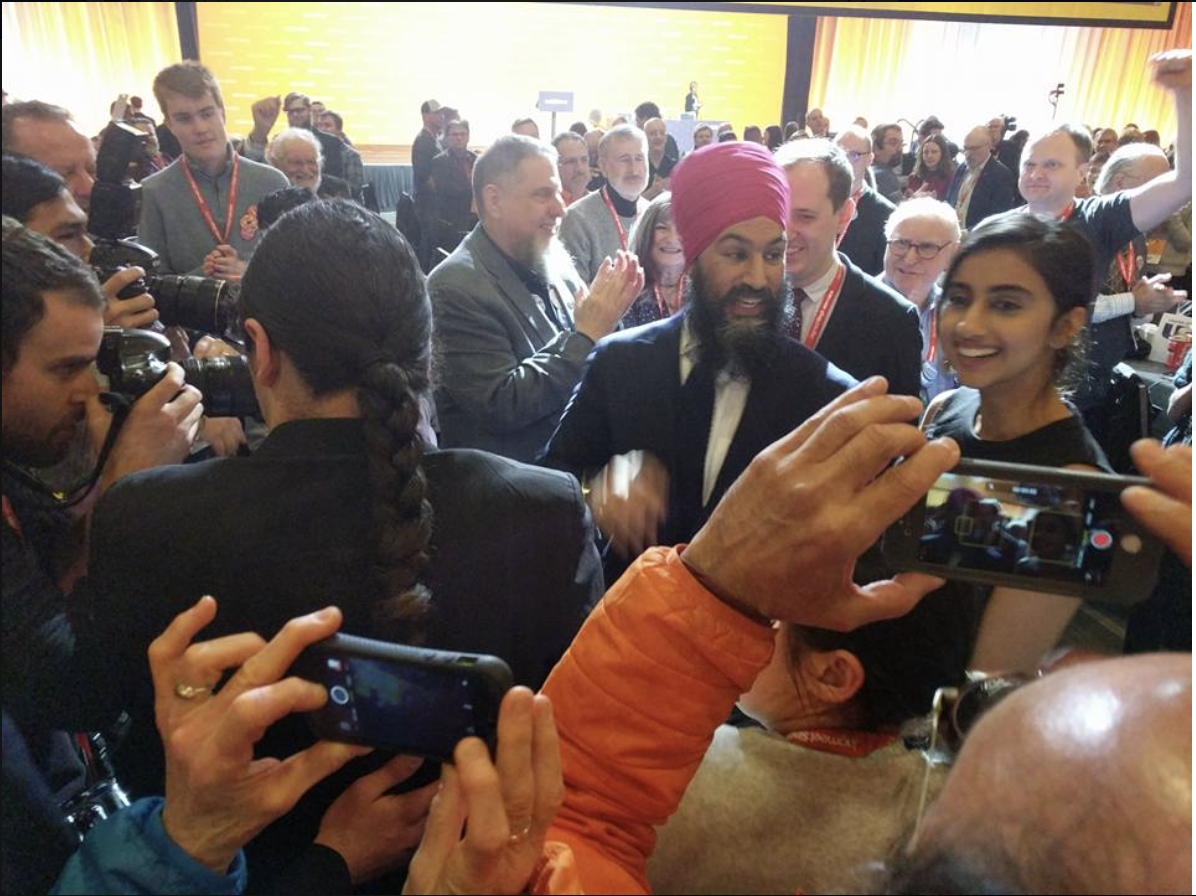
(596, 227)
(513, 321)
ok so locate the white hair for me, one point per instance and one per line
(924, 207)
(622, 132)
(1122, 160)
(277, 149)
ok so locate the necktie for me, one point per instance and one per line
(695, 411)
(799, 296)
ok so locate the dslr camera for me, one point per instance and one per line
(135, 360)
(197, 303)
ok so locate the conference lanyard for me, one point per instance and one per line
(610, 206)
(660, 303)
(824, 310)
(1127, 264)
(841, 741)
(203, 205)
(934, 339)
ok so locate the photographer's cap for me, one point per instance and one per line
(429, 106)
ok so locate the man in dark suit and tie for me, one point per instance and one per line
(513, 322)
(984, 186)
(854, 321)
(864, 241)
(668, 415)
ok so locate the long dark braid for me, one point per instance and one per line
(339, 291)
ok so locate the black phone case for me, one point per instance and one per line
(1131, 580)
(492, 673)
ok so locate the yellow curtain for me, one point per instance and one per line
(888, 70)
(82, 55)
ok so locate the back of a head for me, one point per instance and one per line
(905, 660)
(28, 183)
(647, 110)
(1078, 783)
(29, 110)
(1122, 160)
(501, 161)
(339, 292)
(823, 152)
(274, 205)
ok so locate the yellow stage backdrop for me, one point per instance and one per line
(81, 55)
(376, 62)
(887, 69)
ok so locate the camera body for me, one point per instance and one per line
(134, 361)
(197, 303)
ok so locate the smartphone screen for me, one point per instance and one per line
(402, 706)
(1056, 532)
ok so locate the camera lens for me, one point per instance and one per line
(198, 303)
(226, 385)
(338, 695)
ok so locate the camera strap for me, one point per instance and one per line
(120, 407)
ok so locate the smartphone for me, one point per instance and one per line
(1033, 528)
(405, 699)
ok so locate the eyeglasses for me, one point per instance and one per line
(853, 156)
(926, 251)
(953, 714)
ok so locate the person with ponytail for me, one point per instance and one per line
(345, 502)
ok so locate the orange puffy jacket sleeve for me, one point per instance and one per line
(653, 672)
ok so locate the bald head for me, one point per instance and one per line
(1079, 783)
(978, 146)
(1131, 166)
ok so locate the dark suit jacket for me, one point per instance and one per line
(874, 331)
(995, 192)
(514, 570)
(864, 243)
(452, 195)
(628, 397)
(505, 369)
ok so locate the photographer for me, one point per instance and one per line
(38, 196)
(53, 319)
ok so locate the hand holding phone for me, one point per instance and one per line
(1032, 528)
(404, 699)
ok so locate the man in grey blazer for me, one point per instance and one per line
(513, 321)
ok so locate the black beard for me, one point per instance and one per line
(747, 346)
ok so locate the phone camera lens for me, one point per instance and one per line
(339, 695)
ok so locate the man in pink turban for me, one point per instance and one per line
(668, 415)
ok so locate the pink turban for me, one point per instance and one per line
(722, 184)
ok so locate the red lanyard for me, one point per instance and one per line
(855, 198)
(660, 303)
(934, 338)
(1127, 265)
(203, 206)
(1071, 207)
(615, 216)
(824, 310)
(842, 741)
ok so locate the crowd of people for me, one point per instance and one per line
(623, 416)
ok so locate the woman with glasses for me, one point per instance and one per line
(655, 242)
(933, 171)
